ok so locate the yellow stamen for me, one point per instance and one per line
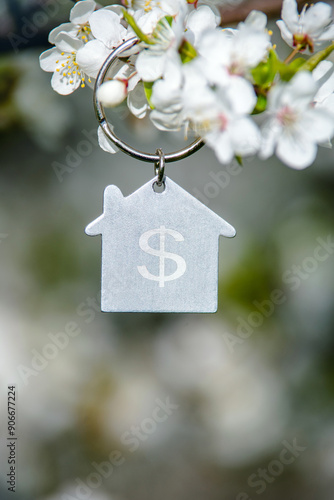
(63, 53)
(83, 85)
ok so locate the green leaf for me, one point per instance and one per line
(132, 22)
(148, 88)
(187, 51)
(314, 60)
(287, 71)
(265, 72)
(239, 160)
(169, 20)
(261, 104)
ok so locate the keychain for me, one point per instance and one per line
(160, 244)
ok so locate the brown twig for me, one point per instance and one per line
(272, 8)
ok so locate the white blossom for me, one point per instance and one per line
(218, 114)
(153, 59)
(189, 73)
(238, 52)
(61, 60)
(294, 126)
(311, 29)
(78, 26)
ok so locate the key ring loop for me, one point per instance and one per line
(159, 168)
(126, 148)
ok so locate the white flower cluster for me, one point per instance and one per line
(229, 86)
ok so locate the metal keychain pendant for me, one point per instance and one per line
(160, 244)
(159, 250)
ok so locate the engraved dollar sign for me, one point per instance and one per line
(162, 254)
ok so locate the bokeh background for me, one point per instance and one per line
(156, 406)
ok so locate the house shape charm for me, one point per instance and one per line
(159, 250)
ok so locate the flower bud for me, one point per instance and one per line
(112, 93)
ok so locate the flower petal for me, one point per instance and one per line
(67, 43)
(318, 124)
(271, 131)
(81, 12)
(257, 20)
(91, 57)
(241, 94)
(327, 104)
(47, 59)
(199, 20)
(317, 17)
(221, 144)
(290, 15)
(327, 35)
(166, 121)
(106, 26)
(65, 27)
(296, 152)
(62, 84)
(105, 143)
(245, 136)
(150, 66)
(147, 21)
(300, 91)
(324, 76)
(137, 102)
(285, 33)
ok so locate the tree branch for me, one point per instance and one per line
(239, 13)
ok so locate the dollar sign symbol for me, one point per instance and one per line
(162, 254)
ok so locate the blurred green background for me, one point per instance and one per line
(157, 406)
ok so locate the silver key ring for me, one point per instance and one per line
(126, 148)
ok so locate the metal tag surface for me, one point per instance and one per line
(159, 251)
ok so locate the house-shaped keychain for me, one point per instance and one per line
(159, 250)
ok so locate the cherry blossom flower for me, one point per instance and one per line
(238, 51)
(311, 29)
(189, 73)
(61, 60)
(152, 60)
(78, 26)
(294, 126)
(219, 115)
